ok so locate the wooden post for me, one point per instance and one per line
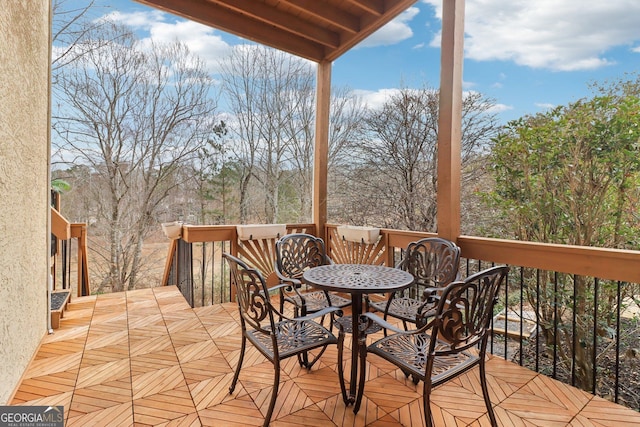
(79, 231)
(321, 152)
(450, 119)
(84, 265)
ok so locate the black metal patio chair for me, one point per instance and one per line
(296, 253)
(434, 263)
(452, 342)
(276, 340)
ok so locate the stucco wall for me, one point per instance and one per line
(24, 123)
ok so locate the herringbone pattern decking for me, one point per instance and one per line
(144, 357)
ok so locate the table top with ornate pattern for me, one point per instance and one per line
(358, 278)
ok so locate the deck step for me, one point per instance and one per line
(59, 301)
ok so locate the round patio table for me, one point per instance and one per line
(357, 280)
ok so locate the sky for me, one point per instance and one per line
(527, 55)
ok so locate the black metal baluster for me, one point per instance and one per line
(66, 265)
(575, 335)
(537, 320)
(618, 303)
(203, 272)
(506, 314)
(213, 272)
(521, 312)
(555, 325)
(223, 288)
(594, 352)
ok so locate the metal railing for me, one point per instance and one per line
(565, 311)
(580, 330)
(66, 236)
(196, 267)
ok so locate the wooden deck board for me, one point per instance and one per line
(144, 357)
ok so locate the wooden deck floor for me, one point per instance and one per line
(145, 357)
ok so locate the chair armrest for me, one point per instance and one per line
(323, 312)
(280, 286)
(289, 280)
(430, 292)
(373, 318)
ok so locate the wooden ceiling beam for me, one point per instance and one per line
(333, 16)
(214, 15)
(375, 7)
(370, 24)
(319, 30)
(284, 21)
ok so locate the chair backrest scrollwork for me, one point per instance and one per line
(432, 261)
(465, 310)
(296, 253)
(252, 295)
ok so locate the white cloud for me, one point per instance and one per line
(202, 40)
(375, 100)
(561, 35)
(545, 105)
(499, 108)
(137, 20)
(468, 85)
(394, 32)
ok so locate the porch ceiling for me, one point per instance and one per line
(319, 30)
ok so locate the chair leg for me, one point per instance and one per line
(485, 394)
(243, 346)
(384, 330)
(362, 343)
(274, 393)
(426, 402)
(315, 359)
(340, 366)
(281, 303)
(302, 360)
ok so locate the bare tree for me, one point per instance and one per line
(395, 178)
(299, 133)
(210, 180)
(346, 115)
(268, 93)
(70, 26)
(134, 113)
(272, 98)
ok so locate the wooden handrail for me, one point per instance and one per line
(60, 227)
(603, 263)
